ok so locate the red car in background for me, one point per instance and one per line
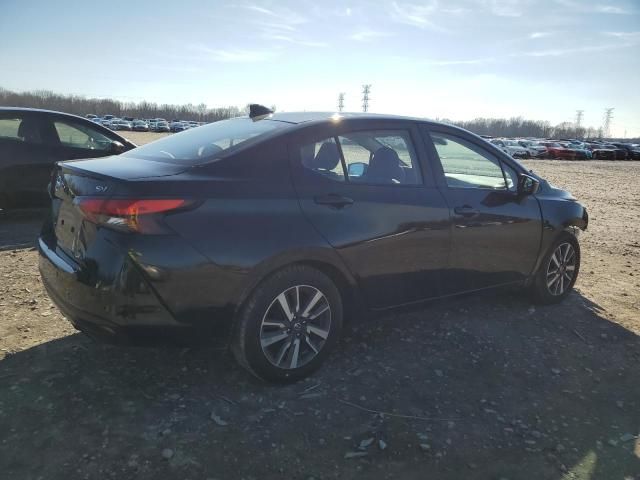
(555, 150)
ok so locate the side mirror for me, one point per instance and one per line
(357, 169)
(527, 185)
(117, 147)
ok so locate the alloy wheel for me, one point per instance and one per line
(295, 327)
(561, 269)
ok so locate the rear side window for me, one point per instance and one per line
(204, 144)
(9, 128)
(368, 157)
(323, 158)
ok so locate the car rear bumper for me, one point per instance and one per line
(123, 309)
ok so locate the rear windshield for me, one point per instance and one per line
(203, 144)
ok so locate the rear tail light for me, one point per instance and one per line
(128, 214)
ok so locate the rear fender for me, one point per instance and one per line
(324, 259)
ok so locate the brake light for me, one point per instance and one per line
(129, 214)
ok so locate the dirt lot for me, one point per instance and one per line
(480, 387)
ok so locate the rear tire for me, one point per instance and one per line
(558, 271)
(288, 325)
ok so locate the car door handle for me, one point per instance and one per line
(466, 211)
(333, 200)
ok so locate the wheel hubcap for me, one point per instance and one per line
(295, 327)
(561, 269)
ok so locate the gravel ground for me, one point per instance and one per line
(478, 387)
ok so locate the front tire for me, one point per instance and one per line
(288, 325)
(558, 272)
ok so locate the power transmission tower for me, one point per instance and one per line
(608, 116)
(579, 114)
(341, 101)
(366, 89)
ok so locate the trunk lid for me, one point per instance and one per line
(69, 229)
(124, 168)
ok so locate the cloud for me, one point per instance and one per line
(505, 8)
(535, 35)
(455, 10)
(558, 52)
(445, 63)
(280, 17)
(295, 41)
(279, 24)
(276, 26)
(259, 9)
(588, 7)
(232, 55)
(625, 35)
(610, 9)
(415, 15)
(472, 61)
(366, 35)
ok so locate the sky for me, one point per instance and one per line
(456, 59)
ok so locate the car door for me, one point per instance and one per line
(364, 188)
(25, 161)
(496, 232)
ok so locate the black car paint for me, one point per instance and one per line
(257, 212)
(25, 168)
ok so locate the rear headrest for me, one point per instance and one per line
(327, 157)
(29, 131)
(384, 167)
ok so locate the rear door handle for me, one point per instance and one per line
(333, 200)
(466, 211)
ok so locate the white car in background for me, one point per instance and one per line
(510, 147)
(534, 149)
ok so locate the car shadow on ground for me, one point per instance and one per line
(19, 229)
(476, 387)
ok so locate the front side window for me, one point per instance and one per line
(75, 135)
(368, 157)
(466, 165)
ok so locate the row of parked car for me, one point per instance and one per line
(143, 125)
(566, 149)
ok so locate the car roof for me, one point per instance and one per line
(303, 117)
(38, 110)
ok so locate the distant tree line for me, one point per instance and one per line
(520, 127)
(80, 105)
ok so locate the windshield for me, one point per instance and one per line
(194, 146)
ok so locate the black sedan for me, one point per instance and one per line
(266, 233)
(633, 152)
(31, 141)
(621, 153)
